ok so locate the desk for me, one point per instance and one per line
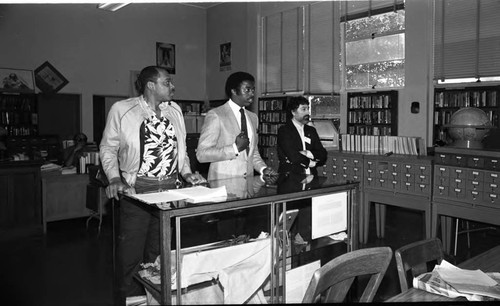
(64, 197)
(486, 262)
(243, 194)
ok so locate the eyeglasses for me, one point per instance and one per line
(247, 89)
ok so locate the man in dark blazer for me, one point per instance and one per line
(299, 147)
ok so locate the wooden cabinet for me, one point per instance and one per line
(20, 200)
(372, 113)
(19, 114)
(449, 100)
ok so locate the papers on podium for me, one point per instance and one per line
(449, 280)
(196, 194)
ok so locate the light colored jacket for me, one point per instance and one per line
(215, 145)
(120, 147)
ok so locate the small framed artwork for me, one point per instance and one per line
(165, 56)
(16, 80)
(49, 79)
(225, 57)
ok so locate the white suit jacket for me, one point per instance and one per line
(216, 141)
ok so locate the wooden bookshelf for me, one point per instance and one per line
(372, 113)
(449, 100)
(19, 114)
(272, 115)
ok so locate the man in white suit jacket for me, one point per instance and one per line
(230, 151)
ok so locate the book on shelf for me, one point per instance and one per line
(382, 144)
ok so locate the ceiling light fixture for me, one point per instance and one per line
(111, 6)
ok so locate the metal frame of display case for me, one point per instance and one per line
(269, 198)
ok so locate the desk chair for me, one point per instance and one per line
(331, 283)
(417, 257)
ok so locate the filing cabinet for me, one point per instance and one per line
(466, 186)
(398, 180)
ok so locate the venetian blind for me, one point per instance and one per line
(283, 51)
(466, 39)
(324, 48)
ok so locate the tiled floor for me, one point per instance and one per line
(73, 266)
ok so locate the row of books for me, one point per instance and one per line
(268, 140)
(273, 117)
(370, 117)
(406, 145)
(369, 130)
(266, 105)
(382, 101)
(268, 128)
(482, 98)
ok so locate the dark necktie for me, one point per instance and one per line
(244, 128)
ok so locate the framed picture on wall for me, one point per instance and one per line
(225, 57)
(165, 56)
(49, 79)
(16, 80)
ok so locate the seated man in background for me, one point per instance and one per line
(73, 153)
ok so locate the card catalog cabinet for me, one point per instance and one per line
(401, 174)
(468, 176)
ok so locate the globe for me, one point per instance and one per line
(468, 127)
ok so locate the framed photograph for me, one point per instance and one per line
(48, 79)
(225, 57)
(165, 56)
(16, 80)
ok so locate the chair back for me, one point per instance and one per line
(417, 258)
(331, 283)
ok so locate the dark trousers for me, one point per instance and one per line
(137, 241)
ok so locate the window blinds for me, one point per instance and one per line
(466, 39)
(283, 51)
(324, 47)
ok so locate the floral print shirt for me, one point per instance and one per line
(159, 148)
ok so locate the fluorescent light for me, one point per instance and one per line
(111, 6)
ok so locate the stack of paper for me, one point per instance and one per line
(196, 194)
(451, 281)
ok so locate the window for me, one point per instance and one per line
(373, 45)
(466, 40)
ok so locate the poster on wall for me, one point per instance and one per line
(225, 57)
(165, 56)
(17, 80)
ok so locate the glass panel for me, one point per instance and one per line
(385, 48)
(381, 74)
(381, 24)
